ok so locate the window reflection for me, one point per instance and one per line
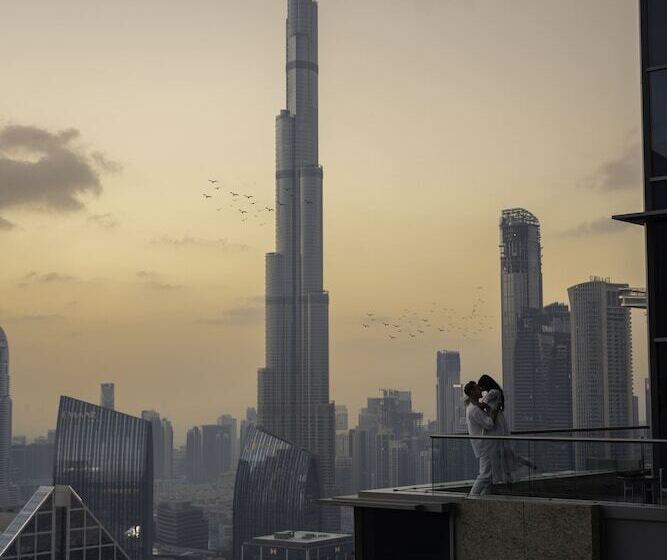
(658, 85)
(657, 36)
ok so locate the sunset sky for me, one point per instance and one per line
(434, 116)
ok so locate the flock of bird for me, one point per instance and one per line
(438, 319)
(243, 205)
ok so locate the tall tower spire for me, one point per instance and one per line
(293, 387)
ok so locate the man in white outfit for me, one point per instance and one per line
(478, 421)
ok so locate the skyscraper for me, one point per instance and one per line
(194, 469)
(107, 396)
(158, 442)
(168, 449)
(5, 421)
(107, 458)
(601, 355)
(276, 489)
(450, 411)
(520, 287)
(293, 387)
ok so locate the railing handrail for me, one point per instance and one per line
(578, 430)
(553, 439)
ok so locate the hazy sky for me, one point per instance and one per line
(435, 115)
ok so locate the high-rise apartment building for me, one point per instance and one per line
(168, 449)
(450, 410)
(108, 396)
(107, 458)
(181, 524)
(601, 355)
(5, 422)
(231, 425)
(194, 468)
(250, 421)
(521, 292)
(293, 387)
(153, 417)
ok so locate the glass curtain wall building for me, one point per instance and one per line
(654, 216)
(5, 422)
(56, 524)
(107, 457)
(277, 489)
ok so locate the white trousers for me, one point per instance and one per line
(484, 479)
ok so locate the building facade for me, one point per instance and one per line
(107, 458)
(520, 291)
(601, 356)
(5, 423)
(55, 524)
(277, 489)
(194, 468)
(450, 411)
(153, 417)
(108, 396)
(293, 387)
(181, 524)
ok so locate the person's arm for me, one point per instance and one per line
(481, 418)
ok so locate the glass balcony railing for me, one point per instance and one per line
(612, 465)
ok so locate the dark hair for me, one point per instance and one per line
(467, 389)
(488, 383)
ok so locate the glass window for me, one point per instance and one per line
(11, 551)
(76, 518)
(106, 539)
(44, 542)
(44, 522)
(92, 536)
(659, 195)
(657, 36)
(658, 85)
(27, 544)
(90, 520)
(30, 526)
(76, 555)
(107, 553)
(46, 556)
(658, 233)
(76, 538)
(93, 553)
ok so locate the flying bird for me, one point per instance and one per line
(233, 193)
(213, 181)
(308, 201)
(268, 209)
(243, 211)
(248, 196)
(207, 195)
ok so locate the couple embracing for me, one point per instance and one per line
(485, 407)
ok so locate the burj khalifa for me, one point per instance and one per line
(293, 387)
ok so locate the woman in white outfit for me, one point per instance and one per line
(504, 460)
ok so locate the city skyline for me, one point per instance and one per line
(169, 284)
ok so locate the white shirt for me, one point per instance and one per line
(477, 421)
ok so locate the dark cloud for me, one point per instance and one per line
(46, 170)
(620, 173)
(601, 226)
(153, 280)
(187, 241)
(6, 225)
(248, 311)
(105, 221)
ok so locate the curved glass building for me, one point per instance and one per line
(107, 458)
(277, 488)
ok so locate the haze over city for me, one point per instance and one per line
(433, 118)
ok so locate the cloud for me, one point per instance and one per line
(6, 225)
(153, 280)
(600, 226)
(248, 311)
(623, 172)
(187, 241)
(33, 277)
(38, 317)
(105, 221)
(45, 170)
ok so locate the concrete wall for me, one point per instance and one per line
(518, 530)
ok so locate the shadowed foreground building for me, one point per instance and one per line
(5, 422)
(276, 489)
(56, 524)
(107, 458)
(183, 525)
